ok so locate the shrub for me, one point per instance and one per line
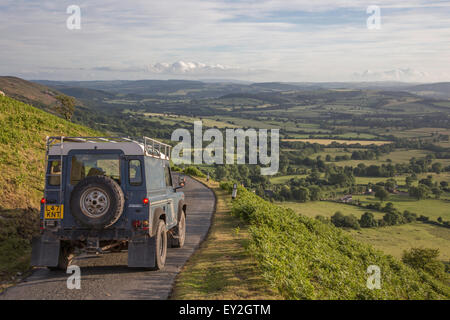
(368, 220)
(393, 218)
(409, 216)
(381, 194)
(342, 221)
(194, 171)
(425, 260)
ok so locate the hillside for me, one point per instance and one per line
(435, 90)
(35, 94)
(22, 149)
(306, 259)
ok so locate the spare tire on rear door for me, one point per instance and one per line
(97, 202)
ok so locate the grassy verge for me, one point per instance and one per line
(222, 267)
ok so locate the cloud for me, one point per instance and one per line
(401, 74)
(181, 67)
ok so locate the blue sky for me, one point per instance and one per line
(258, 40)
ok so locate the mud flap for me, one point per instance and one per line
(141, 252)
(45, 251)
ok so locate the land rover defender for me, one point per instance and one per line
(104, 194)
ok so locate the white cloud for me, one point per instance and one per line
(182, 67)
(401, 74)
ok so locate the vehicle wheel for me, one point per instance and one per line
(97, 202)
(65, 258)
(161, 246)
(179, 233)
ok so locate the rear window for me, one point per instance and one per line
(87, 165)
(135, 172)
(55, 173)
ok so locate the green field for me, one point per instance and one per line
(431, 208)
(326, 208)
(284, 179)
(395, 239)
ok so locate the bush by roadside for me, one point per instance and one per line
(17, 227)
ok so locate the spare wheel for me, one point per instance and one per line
(97, 202)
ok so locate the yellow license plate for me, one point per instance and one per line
(54, 211)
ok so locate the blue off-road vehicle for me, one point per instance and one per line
(109, 194)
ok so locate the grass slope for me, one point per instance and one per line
(306, 259)
(32, 93)
(22, 150)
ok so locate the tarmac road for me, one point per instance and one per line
(107, 276)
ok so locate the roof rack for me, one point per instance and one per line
(151, 147)
(154, 148)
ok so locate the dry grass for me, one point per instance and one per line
(222, 268)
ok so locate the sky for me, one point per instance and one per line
(250, 40)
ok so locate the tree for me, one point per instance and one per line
(65, 106)
(436, 167)
(338, 219)
(392, 218)
(341, 221)
(420, 192)
(381, 194)
(368, 220)
(409, 180)
(437, 192)
(315, 193)
(301, 194)
(409, 216)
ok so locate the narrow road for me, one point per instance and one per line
(107, 276)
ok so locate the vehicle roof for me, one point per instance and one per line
(127, 146)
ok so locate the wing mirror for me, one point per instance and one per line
(181, 182)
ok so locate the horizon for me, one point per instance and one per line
(237, 81)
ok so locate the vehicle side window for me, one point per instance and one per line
(55, 168)
(168, 176)
(135, 172)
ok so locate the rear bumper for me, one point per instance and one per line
(102, 235)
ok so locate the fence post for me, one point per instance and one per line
(234, 193)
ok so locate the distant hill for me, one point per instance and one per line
(435, 90)
(22, 141)
(84, 93)
(35, 94)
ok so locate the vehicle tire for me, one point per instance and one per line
(161, 246)
(65, 258)
(179, 234)
(97, 202)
